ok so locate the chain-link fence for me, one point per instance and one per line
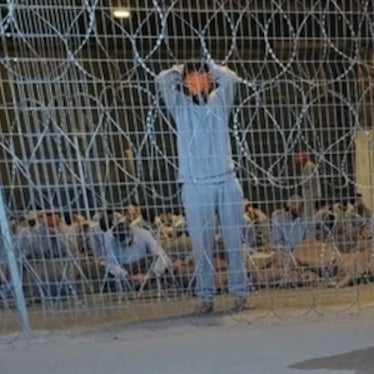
(93, 225)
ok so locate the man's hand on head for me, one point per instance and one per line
(178, 68)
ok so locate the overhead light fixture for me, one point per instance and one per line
(121, 13)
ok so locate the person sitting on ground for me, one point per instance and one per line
(289, 225)
(257, 233)
(45, 253)
(324, 221)
(132, 253)
(348, 226)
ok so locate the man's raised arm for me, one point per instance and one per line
(226, 80)
(168, 82)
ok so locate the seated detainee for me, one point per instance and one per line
(255, 214)
(26, 231)
(42, 238)
(342, 207)
(179, 250)
(94, 240)
(147, 220)
(132, 253)
(173, 226)
(133, 213)
(249, 235)
(261, 226)
(179, 224)
(324, 221)
(87, 237)
(72, 229)
(164, 227)
(33, 218)
(348, 227)
(58, 229)
(44, 254)
(289, 226)
(360, 207)
(106, 218)
(87, 241)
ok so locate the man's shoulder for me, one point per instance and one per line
(279, 214)
(247, 220)
(261, 216)
(142, 233)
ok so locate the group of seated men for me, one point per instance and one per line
(337, 242)
(342, 222)
(135, 246)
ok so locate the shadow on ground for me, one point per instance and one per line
(361, 360)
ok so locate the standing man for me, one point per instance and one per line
(311, 186)
(199, 97)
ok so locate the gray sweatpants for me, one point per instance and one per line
(202, 203)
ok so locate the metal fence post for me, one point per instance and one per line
(12, 262)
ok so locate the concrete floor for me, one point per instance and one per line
(219, 345)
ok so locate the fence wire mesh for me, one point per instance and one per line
(89, 158)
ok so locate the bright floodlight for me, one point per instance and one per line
(121, 13)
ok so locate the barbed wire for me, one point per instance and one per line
(74, 29)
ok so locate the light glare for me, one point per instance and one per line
(121, 13)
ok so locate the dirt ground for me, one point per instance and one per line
(295, 331)
(108, 310)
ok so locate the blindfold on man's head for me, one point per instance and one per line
(122, 231)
